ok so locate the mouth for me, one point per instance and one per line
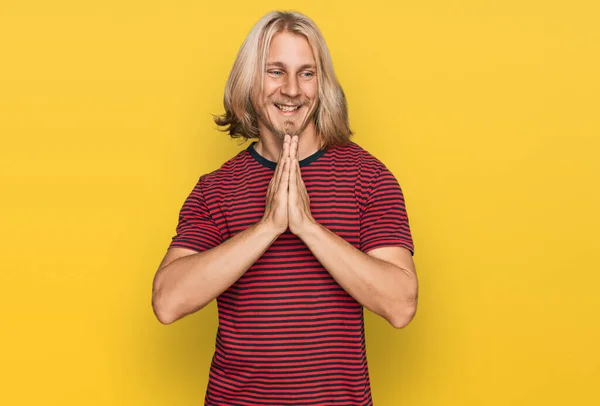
(286, 108)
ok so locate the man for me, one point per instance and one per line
(292, 236)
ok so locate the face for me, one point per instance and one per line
(289, 98)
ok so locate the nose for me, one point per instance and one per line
(291, 87)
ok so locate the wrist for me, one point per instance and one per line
(269, 228)
(309, 230)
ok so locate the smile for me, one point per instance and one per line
(286, 109)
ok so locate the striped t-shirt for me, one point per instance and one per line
(288, 333)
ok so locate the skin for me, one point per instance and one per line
(383, 280)
(290, 78)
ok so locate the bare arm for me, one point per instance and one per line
(384, 280)
(187, 280)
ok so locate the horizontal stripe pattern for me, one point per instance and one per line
(288, 333)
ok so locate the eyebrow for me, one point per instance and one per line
(282, 65)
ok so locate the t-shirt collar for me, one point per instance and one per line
(272, 165)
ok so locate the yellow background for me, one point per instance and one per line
(487, 112)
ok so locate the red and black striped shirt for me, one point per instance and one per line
(288, 333)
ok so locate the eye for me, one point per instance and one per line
(308, 74)
(275, 72)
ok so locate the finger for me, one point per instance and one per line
(272, 189)
(285, 178)
(293, 177)
(298, 176)
(286, 145)
(286, 138)
(302, 188)
(301, 184)
(296, 149)
(283, 153)
(281, 163)
(276, 176)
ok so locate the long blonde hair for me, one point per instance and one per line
(240, 119)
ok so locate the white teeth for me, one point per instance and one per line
(286, 108)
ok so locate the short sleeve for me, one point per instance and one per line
(384, 220)
(196, 229)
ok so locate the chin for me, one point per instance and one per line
(282, 125)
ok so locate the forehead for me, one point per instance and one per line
(291, 49)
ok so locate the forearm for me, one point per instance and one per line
(381, 287)
(189, 283)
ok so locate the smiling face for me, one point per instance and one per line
(290, 89)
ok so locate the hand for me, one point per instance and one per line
(299, 214)
(276, 205)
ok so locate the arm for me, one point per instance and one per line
(186, 280)
(384, 280)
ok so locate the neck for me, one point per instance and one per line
(269, 146)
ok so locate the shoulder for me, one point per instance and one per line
(354, 155)
(228, 171)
